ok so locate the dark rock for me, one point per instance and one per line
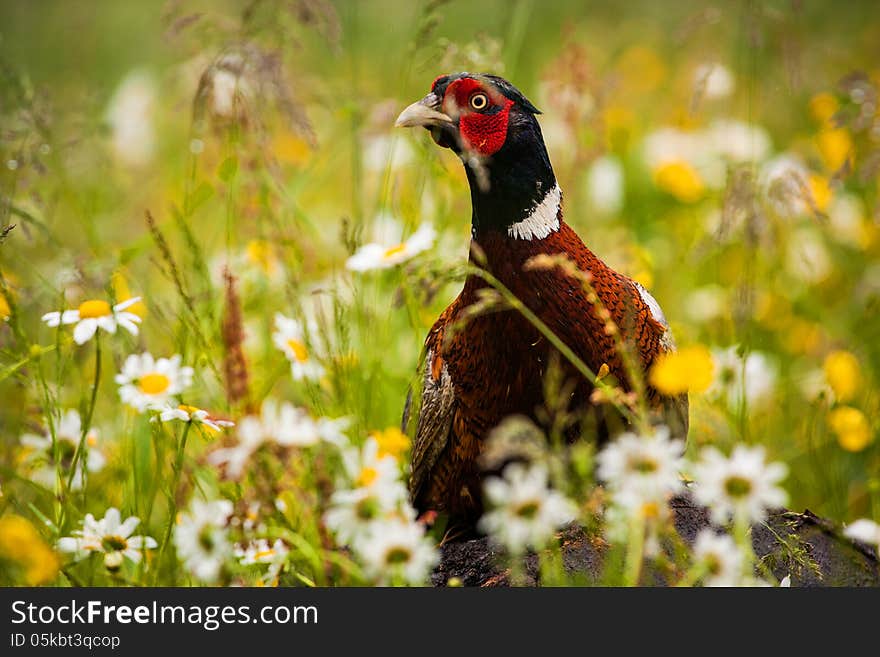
(808, 548)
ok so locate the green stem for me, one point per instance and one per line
(635, 552)
(742, 536)
(172, 508)
(87, 422)
(518, 568)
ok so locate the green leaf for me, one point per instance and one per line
(201, 194)
(228, 168)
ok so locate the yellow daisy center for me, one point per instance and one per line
(262, 554)
(713, 564)
(528, 510)
(259, 252)
(650, 510)
(643, 465)
(397, 555)
(299, 350)
(368, 476)
(737, 487)
(187, 409)
(114, 543)
(394, 250)
(154, 383)
(94, 308)
(392, 442)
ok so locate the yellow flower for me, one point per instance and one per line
(680, 180)
(843, 374)
(835, 145)
(22, 544)
(641, 69)
(123, 293)
(290, 148)
(800, 336)
(851, 427)
(687, 370)
(261, 254)
(392, 442)
(5, 310)
(823, 106)
(619, 123)
(821, 191)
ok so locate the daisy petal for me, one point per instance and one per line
(68, 544)
(111, 520)
(127, 527)
(127, 324)
(128, 303)
(85, 330)
(107, 323)
(53, 319)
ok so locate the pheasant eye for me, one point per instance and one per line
(479, 101)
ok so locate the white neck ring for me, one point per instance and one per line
(542, 220)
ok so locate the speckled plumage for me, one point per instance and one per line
(493, 365)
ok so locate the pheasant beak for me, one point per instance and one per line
(425, 113)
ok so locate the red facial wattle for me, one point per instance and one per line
(481, 132)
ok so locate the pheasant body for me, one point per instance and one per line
(481, 368)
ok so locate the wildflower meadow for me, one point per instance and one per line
(219, 260)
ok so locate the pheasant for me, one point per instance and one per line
(481, 368)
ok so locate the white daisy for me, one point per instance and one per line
(283, 424)
(94, 314)
(288, 425)
(230, 87)
(743, 486)
(376, 493)
(755, 376)
(250, 435)
(706, 303)
(109, 536)
(130, 115)
(195, 415)
(525, 512)
(365, 467)
(398, 552)
(260, 552)
(715, 79)
(290, 338)
(641, 469)
(353, 513)
(382, 256)
(807, 257)
(202, 539)
(737, 141)
(332, 430)
(785, 183)
(866, 531)
(147, 383)
(814, 386)
(256, 266)
(68, 431)
(720, 558)
(605, 184)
